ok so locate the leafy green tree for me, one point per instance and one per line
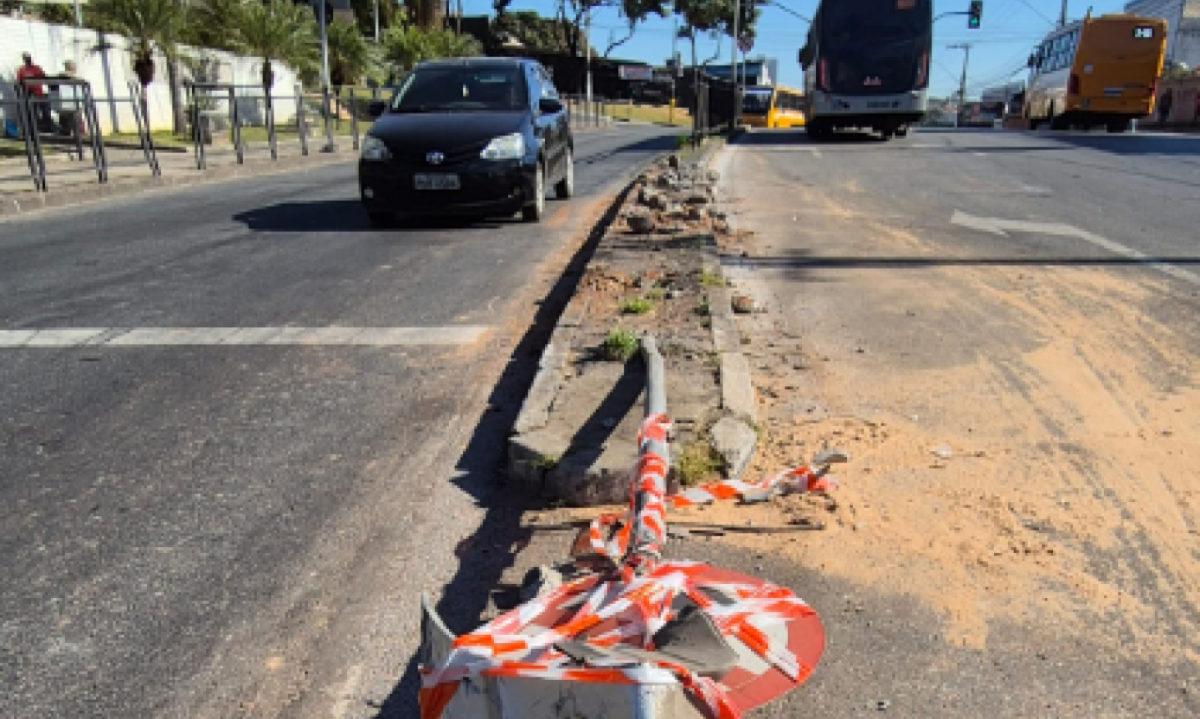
(214, 24)
(536, 33)
(364, 14)
(149, 26)
(351, 56)
(572, 14)
(405, 45)
(277, 30)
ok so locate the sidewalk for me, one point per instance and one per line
(71, 181)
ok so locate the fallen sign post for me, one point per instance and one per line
(618, 631)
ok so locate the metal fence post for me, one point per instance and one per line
(236, 126)
(354, 118)
(33, 150)
(301, 125)
(143, 128)
(98, 152)
(198, 126)
(271, 124)
(329, 146)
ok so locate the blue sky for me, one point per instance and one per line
(1010, 30)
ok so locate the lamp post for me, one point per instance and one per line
(329, 146)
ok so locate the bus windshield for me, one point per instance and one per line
(756, 102)
(854, 21)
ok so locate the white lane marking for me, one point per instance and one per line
(979, 154)
(242, 336)
(1001, 227)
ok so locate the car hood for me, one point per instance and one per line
(444, 131)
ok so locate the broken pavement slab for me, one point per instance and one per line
(575, 437)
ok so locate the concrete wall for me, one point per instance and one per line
(106, 63)
(1184, 109)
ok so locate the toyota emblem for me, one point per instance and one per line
(435, 158)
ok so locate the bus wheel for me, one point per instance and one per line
(816, 130)
(902, 131)
(1060, 123)
(1117, 126)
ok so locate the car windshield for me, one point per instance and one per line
(462, 89)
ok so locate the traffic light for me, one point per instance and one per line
(975, 15)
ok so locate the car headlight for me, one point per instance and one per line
(508, 147)
(375, 149)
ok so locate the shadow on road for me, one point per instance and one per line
(484, 556)
(348, 216)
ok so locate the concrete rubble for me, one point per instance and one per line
(575, 436)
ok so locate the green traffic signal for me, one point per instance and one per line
(975, 15)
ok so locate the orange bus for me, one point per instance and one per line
(1096, 71)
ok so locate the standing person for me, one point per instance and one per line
(69, 121)
(30, 71)
(1164, 107)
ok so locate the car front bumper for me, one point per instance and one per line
(486, 187)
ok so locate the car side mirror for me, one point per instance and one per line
(1032, 61)
(549, 106)
(805, 56)
(376, 108)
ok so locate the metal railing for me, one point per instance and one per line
(36, 102)
(238, 107)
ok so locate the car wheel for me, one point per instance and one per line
(382, 219)
(566, 186)
(533, 211)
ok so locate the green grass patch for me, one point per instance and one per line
(698, 463)
(636, 306)
(620, 345)
(711, 279)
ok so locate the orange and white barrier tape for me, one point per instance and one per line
(629, 606)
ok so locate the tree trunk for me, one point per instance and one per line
(143, 67)
(179, 119)
(430, 14)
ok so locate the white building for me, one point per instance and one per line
(1183, 26)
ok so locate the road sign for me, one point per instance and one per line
(745, 42)
(635, 72)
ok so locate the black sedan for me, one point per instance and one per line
(476, 136)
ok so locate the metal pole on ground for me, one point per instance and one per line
(354, 118)
(271, 140)
(301, 124)
(329, 146)
(236, 125)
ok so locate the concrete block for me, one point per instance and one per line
(532, 455)
(590, 477)
(737, 387)
(735, 441)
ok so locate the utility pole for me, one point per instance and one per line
(962, 85)
(325, 89)
(1062, 19)
(733, 53)
(376, 22)
(587, 40)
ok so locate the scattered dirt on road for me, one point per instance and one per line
(1022, 436)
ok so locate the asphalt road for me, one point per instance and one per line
(1030, 300)
(241, 525)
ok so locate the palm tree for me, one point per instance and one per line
(276, 30)
(214, 23)
(150, 26)
(351, 57)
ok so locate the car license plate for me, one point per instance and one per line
(435, 182)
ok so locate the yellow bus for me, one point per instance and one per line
(1096, 71)
(772, 107)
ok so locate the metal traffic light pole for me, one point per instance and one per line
(962, 87)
